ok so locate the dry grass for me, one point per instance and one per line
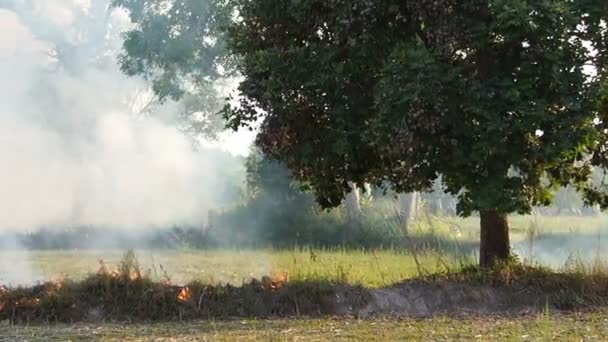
(313, 275)
(572, 327)
(127, 293)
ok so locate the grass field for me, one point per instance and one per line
(372, 269)
(549, 237)
(584, 327)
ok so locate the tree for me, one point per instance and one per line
(179, 46)
(282, 209)
(408, 205)
(353, 202)
(493, 95)
(270, 179)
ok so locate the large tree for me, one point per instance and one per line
(505, 100)
(501, 98)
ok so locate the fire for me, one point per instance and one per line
(55, 284)
(184, 295)
(104, 269)
(279, 280)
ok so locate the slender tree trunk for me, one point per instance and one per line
(353, 202)
(408, 206)
(353, 211)
(494, 238)
(435, 204)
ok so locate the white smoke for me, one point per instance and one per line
(72, 152)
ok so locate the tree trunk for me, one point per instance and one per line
(353, 211)
(353, 202)
(435, 204)
(494, 238)
(408, 205)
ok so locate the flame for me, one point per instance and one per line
(56, 282)
(54, 285)
(103, 269)
(279, 280)
(184, 295)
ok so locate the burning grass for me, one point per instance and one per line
(356, 267)
(128, 294)
(116, 297)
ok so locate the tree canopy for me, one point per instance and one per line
(492, 95)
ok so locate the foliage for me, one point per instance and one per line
(492, 95)
(269, 223)
(178, 45)
(180, 48)
(270, 179)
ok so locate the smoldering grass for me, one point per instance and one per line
(127, 293)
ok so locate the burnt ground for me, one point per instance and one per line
(424, 299)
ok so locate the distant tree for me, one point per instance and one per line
(281, 208)
(353, 202)
(408, 208)
(269, 178)
(179, 46)
(493, 95)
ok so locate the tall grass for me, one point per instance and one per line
(366, 267)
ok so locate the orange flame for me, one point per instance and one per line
(184, 295)
(279, 280)
(55, 284)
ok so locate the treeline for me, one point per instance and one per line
(270, 209)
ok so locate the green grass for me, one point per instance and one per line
(367, 268)
(588, 327)
(372, 269)
(519, 225)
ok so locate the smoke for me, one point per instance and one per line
(77, 144)
(72, 150)
(579, 241)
